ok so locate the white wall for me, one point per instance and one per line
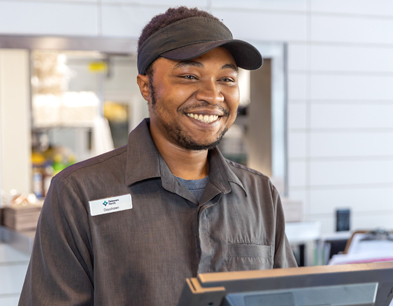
(340, 85)
(15, 127)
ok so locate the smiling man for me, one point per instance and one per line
(128, 227)
(192, 104)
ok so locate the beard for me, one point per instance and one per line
(187, 142)
(175, 131)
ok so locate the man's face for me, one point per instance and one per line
(193, 103)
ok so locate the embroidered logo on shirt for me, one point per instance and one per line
(109, 205)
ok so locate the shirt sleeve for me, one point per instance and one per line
(60, 270)
(283, 256)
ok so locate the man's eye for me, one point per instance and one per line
(190, 77)
(228, 80)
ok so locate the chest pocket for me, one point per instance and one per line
(243, 256)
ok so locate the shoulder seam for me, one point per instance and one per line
(239, 166)
(90, 165)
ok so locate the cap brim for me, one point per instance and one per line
(245, 54)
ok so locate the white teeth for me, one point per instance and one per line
(203, 118)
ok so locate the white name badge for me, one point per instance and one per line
(110, 205)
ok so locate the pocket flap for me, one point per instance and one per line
(249, 250)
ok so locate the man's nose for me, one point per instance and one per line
(210, 92)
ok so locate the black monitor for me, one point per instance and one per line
(350, 285)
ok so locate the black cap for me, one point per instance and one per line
(192, 37)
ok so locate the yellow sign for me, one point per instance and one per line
(97, 66)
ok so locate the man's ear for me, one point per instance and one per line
(143, 83)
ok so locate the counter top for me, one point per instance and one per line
(21, 241)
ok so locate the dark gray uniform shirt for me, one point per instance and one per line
(142, 256)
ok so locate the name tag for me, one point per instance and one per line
(110, 205)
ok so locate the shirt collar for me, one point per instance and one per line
(221, 175)
(145, 162)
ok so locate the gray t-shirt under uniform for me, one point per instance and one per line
(197, 187)
(142, 255)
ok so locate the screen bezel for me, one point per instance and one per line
(211, 288)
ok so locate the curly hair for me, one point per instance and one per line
(170, 16)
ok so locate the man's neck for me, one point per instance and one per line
(186, 164)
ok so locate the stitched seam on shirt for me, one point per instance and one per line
(256, 257)
(236, 165)
(210, 243)
(248, 243)
(90, 165)
(209, 239)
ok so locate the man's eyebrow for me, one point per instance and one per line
(187, 63)
(230, 66)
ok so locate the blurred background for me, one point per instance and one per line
(317, 118)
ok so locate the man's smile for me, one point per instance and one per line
(203, 118)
